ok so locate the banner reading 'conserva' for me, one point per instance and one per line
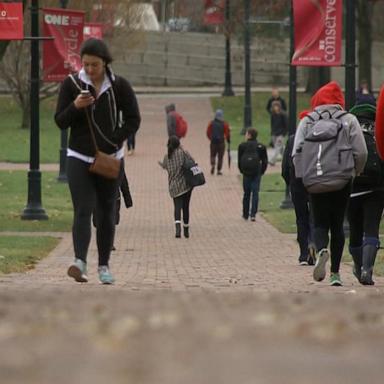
(61, 55)
(318, 26)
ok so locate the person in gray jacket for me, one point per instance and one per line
(329, 208)
(178, 189)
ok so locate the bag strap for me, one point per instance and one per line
(90, 126)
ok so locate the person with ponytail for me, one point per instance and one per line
(114, 114)
(178, 189)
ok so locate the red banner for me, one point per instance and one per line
(214, 12)
(93, 30)
(11, 21)
(318, 25)
(61, 56)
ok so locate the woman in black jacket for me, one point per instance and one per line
(114, 114)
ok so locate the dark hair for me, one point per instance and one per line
(252, 133)
(173, 144)
(96, 47)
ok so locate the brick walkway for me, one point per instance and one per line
(226, 305)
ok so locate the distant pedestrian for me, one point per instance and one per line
(252, 163)
(328, 151)
(364, 94)
(218, 132)
(301, 203)
(176, 124)
(131, 143)
(178, 189)
(366, 205)
(279, 129)
(275, 96)
(108, 97)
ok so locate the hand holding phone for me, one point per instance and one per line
(85, 92)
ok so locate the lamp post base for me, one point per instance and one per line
(34, 212)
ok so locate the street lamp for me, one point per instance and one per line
(63, 135)
(228, 91)
(287, 202)
(247, 69)
(34, 209)
(350, 54)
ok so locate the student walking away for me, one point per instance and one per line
(279, 129)
(217, 132)
(109, 97)
(178, 188)
(252, 163)
(329, 150)
(364, 95)
(176, 124)
(125, 191)
(367, 201)
(300, 200)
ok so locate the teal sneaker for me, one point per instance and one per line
(335, 280)
(319, 270)
(78, 271)
(105, 275)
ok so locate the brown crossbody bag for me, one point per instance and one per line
(104, 165)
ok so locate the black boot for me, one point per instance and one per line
(178, 229)
(186, 231)
(369, 257)
(356, 253)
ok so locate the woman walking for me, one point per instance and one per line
(105, 97)
(178, 188)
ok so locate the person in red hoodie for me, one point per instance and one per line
(217, 132)
(329, 207)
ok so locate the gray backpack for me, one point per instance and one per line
(326, 158)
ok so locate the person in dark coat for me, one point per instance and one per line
(279, 129)
(301, 203)
(364, 95)
(251, 177)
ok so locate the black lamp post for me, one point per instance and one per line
(34, 209)
(287, 202)
(350, 54)
(228, 91)
(63, 135)
(247, 71)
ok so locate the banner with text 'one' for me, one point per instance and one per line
(214, 12)
(11, 21)
(93, 30)
(61, 56)
(317, 31)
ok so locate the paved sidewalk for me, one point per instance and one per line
(230, 304)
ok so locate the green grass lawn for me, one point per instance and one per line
(18, 254)
(233, 108)
(55, 200)
(14, 141)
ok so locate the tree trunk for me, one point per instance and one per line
(26, 114)
(364, 17)
(317, 77)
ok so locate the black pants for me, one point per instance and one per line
(87, 190)
(364, 216)
(131, 141)
(304, 221)
(328, 213)
(181, 204)
(217, 149)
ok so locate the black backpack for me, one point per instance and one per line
(373, 173)
(250, 163)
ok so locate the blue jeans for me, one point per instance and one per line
(251, 186)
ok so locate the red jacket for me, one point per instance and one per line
(227, 134)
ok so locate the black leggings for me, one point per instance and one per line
(364, 215)
(181, 203)
(87, 190)
(328, 215)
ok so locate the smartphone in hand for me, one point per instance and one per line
(85, 93)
